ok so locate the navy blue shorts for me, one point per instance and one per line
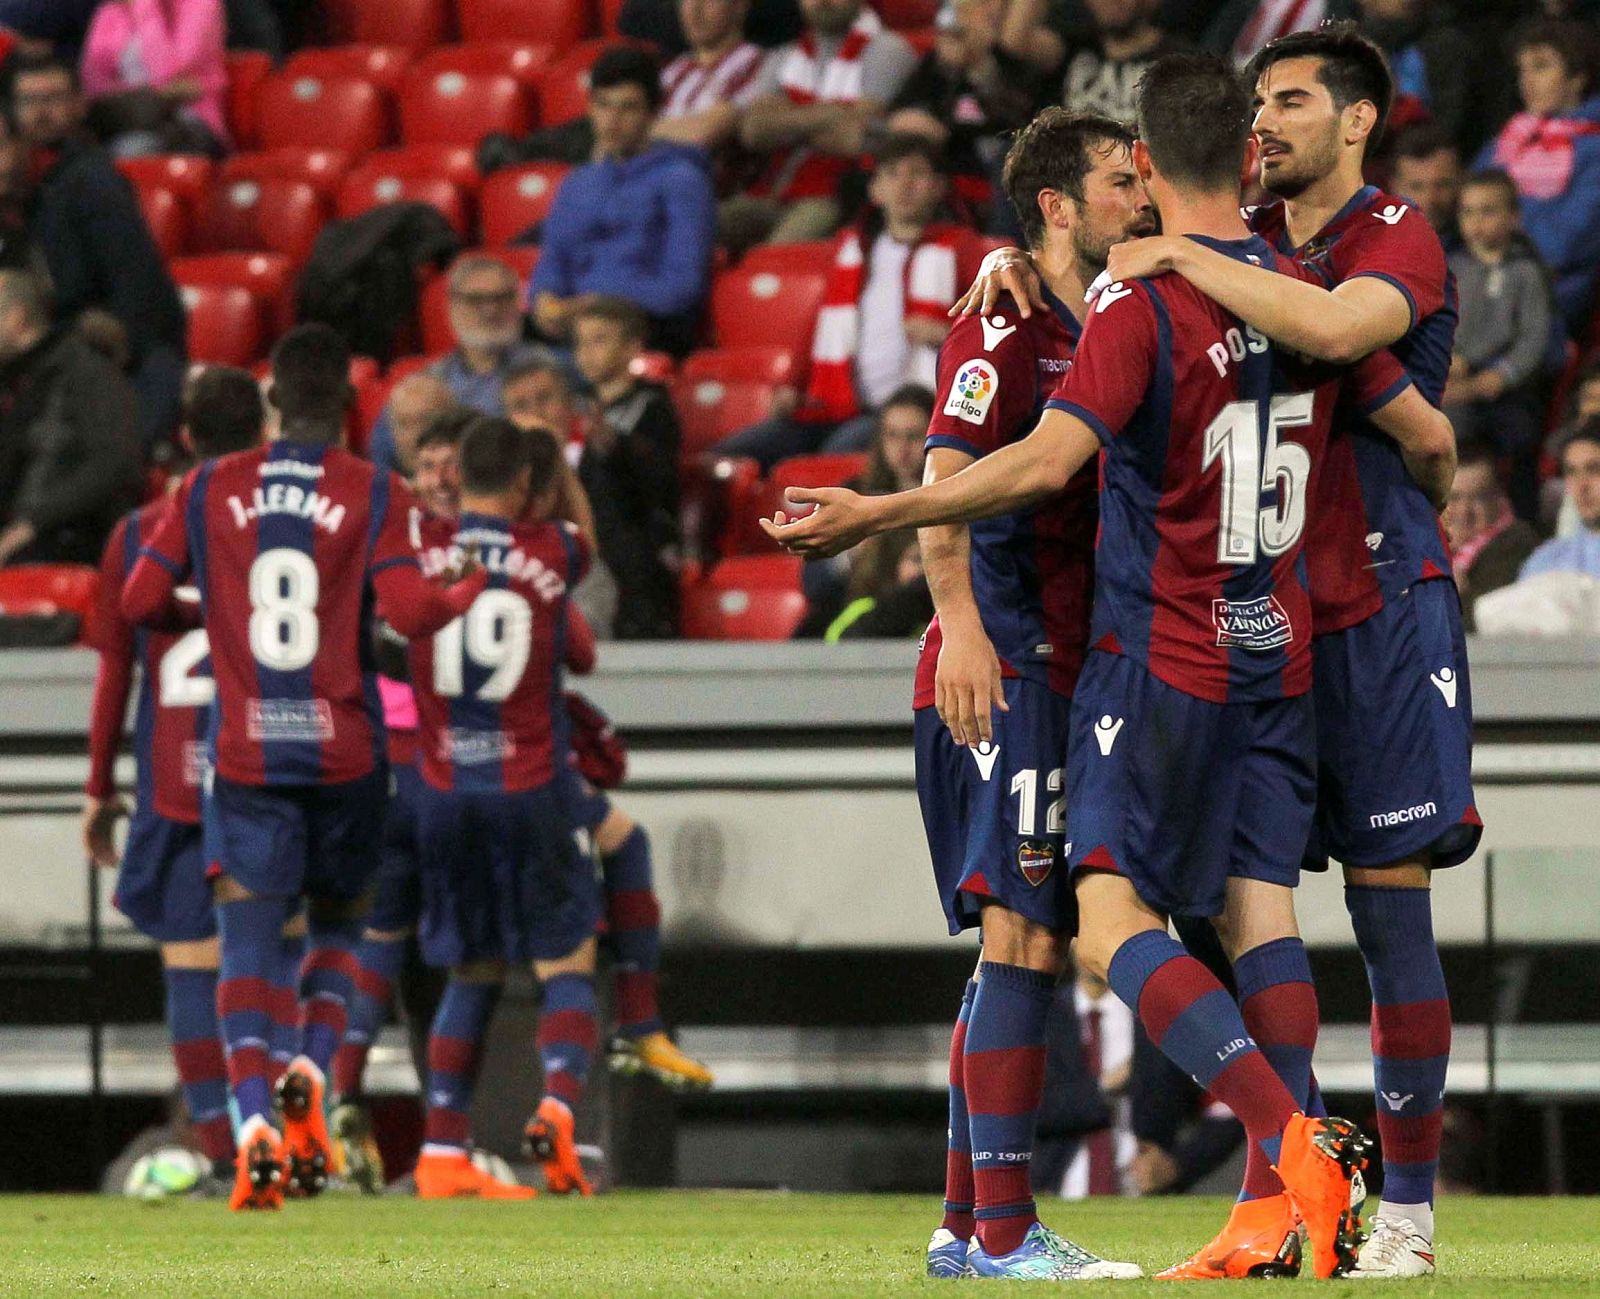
(586, 807)
(1179, 794)
(397, 901)
(995, 816)
(502, 878)
(1394, 735)
(162, 885)
(319, 841)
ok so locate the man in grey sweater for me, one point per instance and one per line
(1504, 334)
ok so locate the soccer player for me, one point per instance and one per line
(994, 683)
(1191, 765)
(162, 886)
(503, 882)
(290, 545)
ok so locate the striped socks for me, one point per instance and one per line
(251, 964)
(197, 1052)
(958, 1190)
(327, 980)
(378, 963)
(633, 917)
(566, 1036)
(1278, 1003)
(455, 1048)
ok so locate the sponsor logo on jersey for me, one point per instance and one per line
(995, 331)
(1444, 680)
(1055, 364)
(1106, 731)
(1256, 625)
(1402, 815)
(973, 390)
(1391, 215)
(984, 755)
(468, 748)
(1112, 293)
(289, 469)
(195, 763)
(1036, 858)
(289, 719)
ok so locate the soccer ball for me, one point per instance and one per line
(172, 1170)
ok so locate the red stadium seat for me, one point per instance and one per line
(747, 597)
(167, 216)
(187, 175)
(461, 107)
(48, 588)
(227, 324)
(433, 315)
(921, 40)
(832, 470)
(710, 410)
(561, 23)
(518, 197)
(564, 86)
(322, 169)
(370, 186)
(275, 216)
(742, 365)
(523, 60)
(417, 24)
(766, 308)
(329, 113)
(269, 276)
(383, 65)
(905, 15)
(247, 69)
(812, 255)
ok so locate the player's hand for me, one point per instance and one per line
(1005, 270)
(1139, 258)
(100, 815)
(463, 564)
(841, 519)
(967, 684)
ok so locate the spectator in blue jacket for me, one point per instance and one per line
(638, 222)
(1552, 151)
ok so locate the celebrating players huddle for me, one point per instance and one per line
(1241, 656)
(272, 804)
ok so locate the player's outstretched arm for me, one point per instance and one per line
(1340, 325)
(414, 606)
(1427, 442)
(1012, 478)
(967, 680)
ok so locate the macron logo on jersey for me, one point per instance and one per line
(1444, 681)
(985, 755)
(973, 391)
(1105, 733)
(1391, 215)
(1112, 293)
(995, 332)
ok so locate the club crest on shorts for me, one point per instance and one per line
(1036, 858)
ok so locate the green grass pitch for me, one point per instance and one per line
(691, 1244)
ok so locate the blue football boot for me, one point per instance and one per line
(1045, 1256)
(947, 1255)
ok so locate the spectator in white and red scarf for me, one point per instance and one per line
(707, 89)
(1488, 541)
(894, 275)
(820, 101)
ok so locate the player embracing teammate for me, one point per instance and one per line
(1191, 763)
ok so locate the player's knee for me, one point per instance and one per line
(579, 961)
(1408, 873)
(200, 954)
(613, 832)
(1013, 939)
(228, 889)
(387, 935)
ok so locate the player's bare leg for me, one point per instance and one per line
(189, 971)
(1193, 1020)
(566, 1039)
(1278, 1003)
(633, 913)
(1391, 910)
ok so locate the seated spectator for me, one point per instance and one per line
(1582, 405)
(488, 331)
(1435, 68)
(1100, 68)
(414, 403)
(1427, 170)
(967, 94)
(19, 251)
(883, 313)
(630, 469)
(87, 223)
(69, 444)
(1239, 28)
(1488, 541)
(638, 222)
(771, 22)
(1493, 394)
(886, 595)
(156, 77)
(821, 100)
(1580, 471)
(1551, 150)
(708, 87)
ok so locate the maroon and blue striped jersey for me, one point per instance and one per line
(489, 685)
(1373, 532)
(1212, 440)
(1032, 570)
(175, 689)
(290, 546)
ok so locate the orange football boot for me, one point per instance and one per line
(258, 1168)
(1262, 1239)
(1318, 1161)
(306, 1142)
(548, 1139)
(455, 1176)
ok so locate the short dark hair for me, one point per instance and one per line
(1350, 65)
(545, 455)
(27, 62)
(910, 394)
(446, 428)
(909, 144)
(494, 451)
(628, 316)
(1194, 117)
(1055, 151)
(222, 411)
(1588, 431)
(534, 365)
(1574, 43)
(1494, 178)
(1423, 141)
(628, 65)
(311, 381)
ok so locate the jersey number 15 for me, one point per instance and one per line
(1249, 469)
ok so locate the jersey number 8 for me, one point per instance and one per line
(496, 633)
(284, 634)
(1247, 471)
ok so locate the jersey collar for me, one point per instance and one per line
(1063, 313)
(1357, 201)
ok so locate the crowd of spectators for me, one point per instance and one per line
(714, 127)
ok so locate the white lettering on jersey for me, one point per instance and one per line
(286, 498)
(975, 385)
(995, 332)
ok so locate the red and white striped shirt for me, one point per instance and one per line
(692, 87)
